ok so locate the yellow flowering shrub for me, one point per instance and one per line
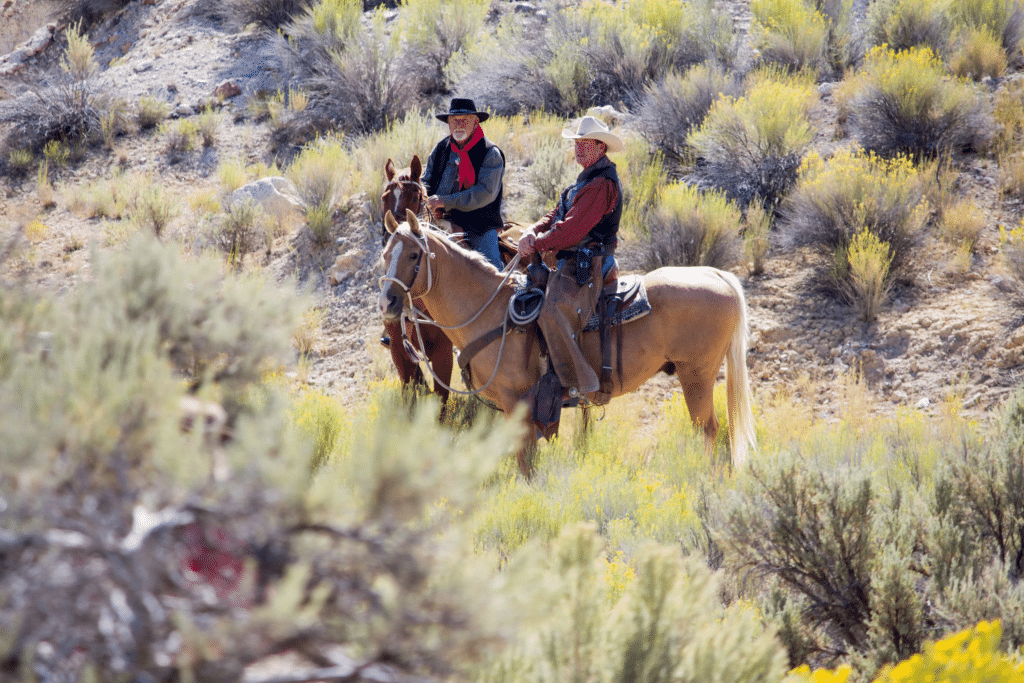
(971, 656)
(908, 104)
(322, 420)
(803, 674)
(790, 32)
(865, 272)
(771, 119)
(853, 190)
(912, 77)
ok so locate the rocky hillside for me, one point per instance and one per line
(952, 333)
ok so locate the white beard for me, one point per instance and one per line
(460, 136)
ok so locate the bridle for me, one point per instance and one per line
(417, 316)
(404, 183)
(424, 249)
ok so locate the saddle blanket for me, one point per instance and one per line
(633, 304)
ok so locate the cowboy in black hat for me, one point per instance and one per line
(464, 178)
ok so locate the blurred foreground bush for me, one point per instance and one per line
(149, 534)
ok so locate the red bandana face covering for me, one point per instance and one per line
(467, 176)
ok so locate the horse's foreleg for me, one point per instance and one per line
(441, 361)
(406, 368)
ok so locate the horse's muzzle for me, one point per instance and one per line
(390, 302)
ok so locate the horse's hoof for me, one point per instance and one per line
(385, 341)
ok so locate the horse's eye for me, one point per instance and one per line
(414, 256)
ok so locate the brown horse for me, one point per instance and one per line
(698, 318)
(403, 192)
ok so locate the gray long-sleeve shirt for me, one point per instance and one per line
(480, 194)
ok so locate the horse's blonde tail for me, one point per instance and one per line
(737, 385)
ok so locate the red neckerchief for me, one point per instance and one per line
(467, 174)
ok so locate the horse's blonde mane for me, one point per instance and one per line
(470, 254)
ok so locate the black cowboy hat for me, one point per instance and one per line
(462, 105)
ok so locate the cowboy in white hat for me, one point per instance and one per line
(582, 231)
(464, 178)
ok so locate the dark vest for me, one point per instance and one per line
(607, 229)
(480, 220)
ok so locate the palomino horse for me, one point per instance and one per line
(698, 318)
(404, 191)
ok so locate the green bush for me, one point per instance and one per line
(851, 192)
(790, 33)
(207, 124)
(319, 172)
(861, 273)
(643, 177)
(240, 231)
(811, 529)
(757, 237)
(906, 24)
(750, 147)
(437, 30)
(1003, 18)
(552, 171)
(692, 228)
(115, 122)
(355, 79)
(97, 465)
(660, 629)
(180, 136)
(83, 384)
(962, 225)
(628, 47)
(594, 54)
(151, 112)
(268, 14)
(1008, 110)
(70, 112)
(154, 209)
(103, 199)
(979, 55)
(20, 163)
(907, 105)
(511, 80)
(677, 104)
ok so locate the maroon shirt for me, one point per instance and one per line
(594, 201)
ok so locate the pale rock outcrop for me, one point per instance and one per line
(276, 195)
(39, 41)
(347, 265)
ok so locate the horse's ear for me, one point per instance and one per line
(413, 222)
(389, 222)
(415, 168)
(389, 169)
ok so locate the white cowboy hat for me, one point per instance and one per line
(591, 128)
